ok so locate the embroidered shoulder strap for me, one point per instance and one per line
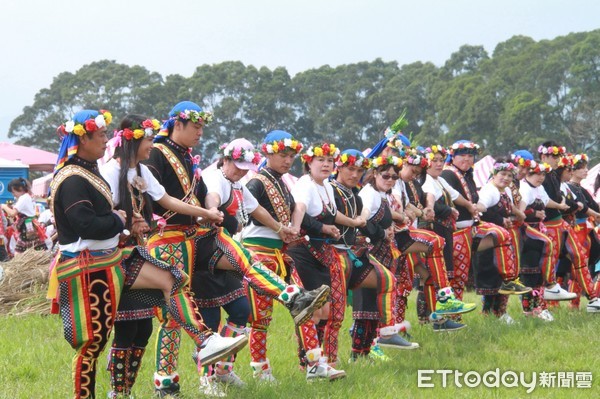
(187, 185)
(76, 170)
(462, 180)
(281, 208)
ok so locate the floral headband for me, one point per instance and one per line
(539, 167)
(417, 160)
(552, 150)
(281, 145)
(435, 149)
(519, 160)
(147, 128)
(466, 148)
(565, 161)
(324, 150)
(204, 117)
(503, 167)
(240, 154)
(381, 161)
(577, 158)
(351, 160)
(89, 126)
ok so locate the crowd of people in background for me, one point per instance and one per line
(149, 234)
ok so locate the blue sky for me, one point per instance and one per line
(41, 38)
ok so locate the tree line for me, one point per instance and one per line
(523, 93)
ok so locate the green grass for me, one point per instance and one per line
(35, 361)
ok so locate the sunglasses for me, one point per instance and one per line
(388, 177)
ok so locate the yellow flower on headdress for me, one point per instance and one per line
(107, 117)
(318, 152)
(138, 134)
(79, 129)
(155, 124)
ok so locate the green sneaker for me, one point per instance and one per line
(376, 353)
(453, 306)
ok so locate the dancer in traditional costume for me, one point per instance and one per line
(583, 228)
(558, 230)
(443, 197)
(221, 289)
(495, 203)
(29, 232)
(538, 259)
(474, 236)
(93, 272)
(360, 270)
(192, 246)
(315, 259)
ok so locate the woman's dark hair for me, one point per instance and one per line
(19, 184)
(127, 153)
(580, 165)
(597, 183)
(370, 175)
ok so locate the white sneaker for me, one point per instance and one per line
(546, 315)
(210, 387)
(217, 348)
(506, 319)
(230, 378)
(558, 293)
(263, 373)
(593, 306)
(323, 370)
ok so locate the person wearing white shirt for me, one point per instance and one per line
(538, 256)
(30, 233)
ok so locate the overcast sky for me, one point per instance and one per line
(41, 38)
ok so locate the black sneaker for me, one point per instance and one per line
(448, 325)
(513, 287)
(303, 305)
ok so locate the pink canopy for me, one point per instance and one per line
(38, 160)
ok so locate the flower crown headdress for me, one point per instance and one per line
(381, 161)
(465, 147)
(415, 159)
(519, 160)
(89, 126)
(435, 149)
(281, 145)
(240, 154)
(203, 117)
(552, 150)
(577, 158)
(352, 160)
(565, 161)
(503, 167)
(539, 167)
(323, 150)
(148, 128)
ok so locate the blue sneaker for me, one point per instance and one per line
(396, 342)
(448, 325)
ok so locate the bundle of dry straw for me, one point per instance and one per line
(23, 287)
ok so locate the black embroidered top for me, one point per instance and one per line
(81, 211)
(164, 173)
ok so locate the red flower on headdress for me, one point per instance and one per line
(90, 126)
(281, 146)
(128, 134)
(147, 124)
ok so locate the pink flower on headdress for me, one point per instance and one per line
(236, 153)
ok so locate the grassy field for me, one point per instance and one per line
(35, 360)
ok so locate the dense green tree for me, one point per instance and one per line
(522, 94)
